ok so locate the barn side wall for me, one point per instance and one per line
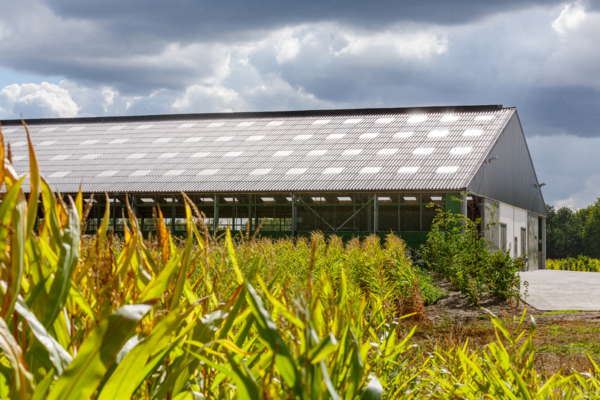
(511, 179)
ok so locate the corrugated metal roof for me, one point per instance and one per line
(167, 150)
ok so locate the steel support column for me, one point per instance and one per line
(216, 215)
(294, 219)
(375, 214)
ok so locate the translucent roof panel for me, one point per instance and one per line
(338, 150)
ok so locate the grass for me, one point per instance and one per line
(103, 317)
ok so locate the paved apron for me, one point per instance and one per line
(551, 290)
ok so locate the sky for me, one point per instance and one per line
(69, 58)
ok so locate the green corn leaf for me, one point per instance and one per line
(327, 346)
(158, 286)
(51, 219)
(67, 262)
(8, 208)
(34, 184)
(98, 352)
(268, 331)
(373, 390)
(124, 379)
(41, 389)
(59, 357)
(23, 381)
(185, 262)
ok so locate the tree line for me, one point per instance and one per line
(572, 233)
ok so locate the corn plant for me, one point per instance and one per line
(104, 317)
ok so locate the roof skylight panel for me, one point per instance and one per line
(208, 172)
(75, 129)
(436, 198)
(18, 144)
(335, 136)
(193, 139)
(387, 151)
(473, 132)
(484, 117)
(415, 119)
(409, 198)
(275, 123)
(186, 125)
(254, 138)
(90, 156)
(282, 153)
(174, 172)
(233, 154)
(9, 130)
(352, 121)
(59, 174)
(199, 155)
(116, 128)
(215, 124)
(268, 199)
(147, 200)
(207, 199)
(331, 171)
(461, 150)
(60, 157)
(318, 199)
(302, 137)
(260, 171)
(223, 139)
(316, 153)
(47, 143)
(344, 198)
(446, 170)
(321, 122)
(450, 118)
(18, 158)
(88, 142)
(424, 150)
(370, 170)
(167, 155)
(163, 140)
(107, 173)
(408, 170)
(386, 199)
(245, 123)
(48, 129)
(438, 133)
(384, 120)
(118, 141)
(144, 127)
(400, 135)
(289, 199)
(137, 155)
(141, 172)
(230, 199)
(368, 135)
(296, 171)
(351, 152)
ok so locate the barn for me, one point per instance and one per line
(352, 172)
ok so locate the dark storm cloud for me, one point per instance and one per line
(189, 19)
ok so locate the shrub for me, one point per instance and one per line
(456, 251)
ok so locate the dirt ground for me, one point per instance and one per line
(563, 340)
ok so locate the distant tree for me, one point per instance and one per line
(564, 232)
(591, 231)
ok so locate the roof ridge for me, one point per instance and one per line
(260, 114)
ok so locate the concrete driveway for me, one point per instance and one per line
(551, 290)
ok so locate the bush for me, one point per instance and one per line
(456, 251)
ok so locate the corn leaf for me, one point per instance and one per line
(98, 352)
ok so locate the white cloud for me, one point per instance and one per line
(570, 18)
(38, 101)
(200, 98)
(286, 49)
(416, 44)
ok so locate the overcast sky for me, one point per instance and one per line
(67, 58)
